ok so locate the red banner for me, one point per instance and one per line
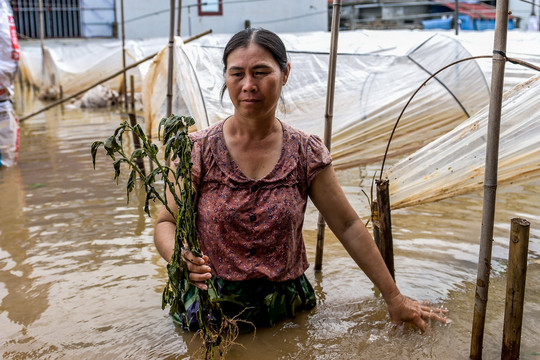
(15, 55)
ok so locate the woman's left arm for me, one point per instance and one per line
(330, 200)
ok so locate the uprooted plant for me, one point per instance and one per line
(216, 329)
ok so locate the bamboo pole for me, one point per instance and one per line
(171, 61)
(42, 41)
(124, 76)
(179, 22)
(170, 66)
(515, 288)
(336, 10)
(132, 87)
(456, 16)
(133, 121)
(490, 180)
(61, 101)
(385, 243)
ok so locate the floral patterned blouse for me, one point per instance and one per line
(253, 228)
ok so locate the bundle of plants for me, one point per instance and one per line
(217, 330)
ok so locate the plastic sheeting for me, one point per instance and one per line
(377, 72)
(454, 163)
(521, 45)
(74, 65)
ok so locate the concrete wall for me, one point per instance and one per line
(147, 19)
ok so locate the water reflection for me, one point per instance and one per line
(19, 285)
(79, 275)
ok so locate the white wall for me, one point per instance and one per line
(523, 10)
(146, 19)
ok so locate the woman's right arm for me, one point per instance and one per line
(164, 238)
(165, 229)
(164, 233)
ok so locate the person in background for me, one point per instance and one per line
(533, 21)
(9, 63)
(253, 175)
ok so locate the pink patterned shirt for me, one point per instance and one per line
(253, 228)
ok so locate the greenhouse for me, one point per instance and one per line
(453, 164)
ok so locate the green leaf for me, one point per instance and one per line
(94, 149)
(131, 182)
(137, 130)
(189, 121)
(169, 146)
(116, 166)
(120, 135)
(121, 127)
(111, 146)
(151, 178)
(151, 195)
(138, 153)
(161, 124)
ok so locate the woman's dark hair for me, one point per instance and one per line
(262, 37)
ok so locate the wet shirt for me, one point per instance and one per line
(253, 228)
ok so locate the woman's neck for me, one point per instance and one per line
(254, 129)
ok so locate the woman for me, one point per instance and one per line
(253, 176)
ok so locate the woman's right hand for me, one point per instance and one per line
(199, 272)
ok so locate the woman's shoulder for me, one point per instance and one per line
(302, 137)
(205, 134)
(294, 132)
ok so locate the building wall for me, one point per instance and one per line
(523, 10)
(147, 19)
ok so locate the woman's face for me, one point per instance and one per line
(254, 81)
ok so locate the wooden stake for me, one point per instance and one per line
(490, 180)
(386, 243)
(515, 288)
(124, 74)
(376, 224)
(336, 10)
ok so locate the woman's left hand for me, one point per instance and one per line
(403, 309)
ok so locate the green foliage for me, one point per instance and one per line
(215, 327)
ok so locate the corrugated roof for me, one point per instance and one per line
(475, 11)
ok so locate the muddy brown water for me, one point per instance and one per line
(80, 277)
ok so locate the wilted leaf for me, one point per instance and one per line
(138, 153)
(94, 149)
(111, 146)
(137, 130)
(116, 166)
(131, 182)
(151, 178)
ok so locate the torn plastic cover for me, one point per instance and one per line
(454, 164)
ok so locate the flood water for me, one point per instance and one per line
(80, 278)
